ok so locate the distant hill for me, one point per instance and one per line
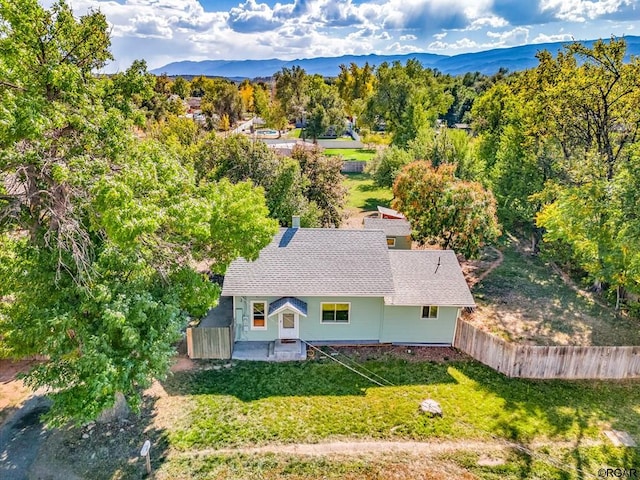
(487, 62)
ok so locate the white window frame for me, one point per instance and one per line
(266, 314)
(329, 322)
(429, 317)
(393, 242)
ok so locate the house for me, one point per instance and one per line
(397, 231)
(337, 286)
(194, 105)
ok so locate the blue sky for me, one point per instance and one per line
(163, 31)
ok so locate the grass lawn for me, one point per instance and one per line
(236, 423)
(351, 153)
(363, 194)
(525, 300)
(261, 404)
(295, 133)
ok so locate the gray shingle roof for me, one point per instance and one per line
(390, 226)
(316, 262)
(428, 277)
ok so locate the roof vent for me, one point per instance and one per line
(295, 221)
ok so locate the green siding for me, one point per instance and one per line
(404, 325)
(364, 321)
(402, 243)
(370, 320)
(364, 324)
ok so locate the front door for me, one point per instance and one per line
(287, 325)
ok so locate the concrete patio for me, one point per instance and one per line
(275, 351)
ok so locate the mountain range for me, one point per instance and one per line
(487, 62)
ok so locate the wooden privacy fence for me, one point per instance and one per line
(533, 361)
(210, 342)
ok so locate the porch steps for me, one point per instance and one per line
(280, 351)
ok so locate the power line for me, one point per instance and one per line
(343, 364)
(526, 450)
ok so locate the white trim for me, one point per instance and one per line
(336, 323)
(287, 306)
(422, 307)
(266, 307)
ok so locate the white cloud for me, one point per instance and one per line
(517, 36)
(560, 37)
(582, 10)
(461, 44)
(492, 21)
(400, 48)
(170, 30)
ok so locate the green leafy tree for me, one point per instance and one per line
(180, 133)
(355, 86)
(325, 109)
(325, 183)
(221, 98)
(291, 91)
(181, 87)
(407, 99)
(261, 100)
(387, 163)
(286, 184)
(590, 109)
(285, 197)
(450, 213)
(98, 229)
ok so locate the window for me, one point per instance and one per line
(335, 312)
(258, 315)
(429, 311)
(391, 242)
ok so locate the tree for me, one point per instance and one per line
(291, 91)
(221, 98)
(407, 99)
(445, 211)
(590, 109)
(239, 159)
(181, 88)
(325, 183)
(441, 146)
(386, 165)
(261, 100)
(325, 109)
(355, 86)
(98, 229)
(246, 96)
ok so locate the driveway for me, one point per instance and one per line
(21, 437)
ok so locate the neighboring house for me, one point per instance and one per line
(194, 105)
(332, 286)
(384, 212)
(397, 231)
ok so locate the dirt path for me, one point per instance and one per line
(495, 264)
(383, 446)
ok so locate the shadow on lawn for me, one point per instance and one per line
(372, 203)
(249, 381)
(574, 412)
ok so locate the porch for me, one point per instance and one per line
(274, 351)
